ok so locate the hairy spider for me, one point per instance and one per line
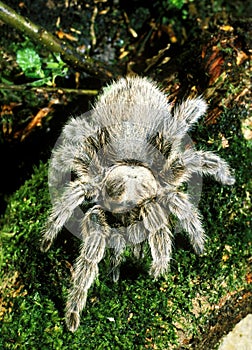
(127, 161)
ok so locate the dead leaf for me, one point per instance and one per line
(227, 28)
(169, 30)
(63, 35)
(215, 65)
(123, 54)
(133, 32)
(7, 113)
(249, 277)
(247, 128)
(36, 120)
(10, 287)
(241, 57)
(154, 60)
(224, 141)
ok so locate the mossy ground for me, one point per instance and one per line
(136, 312)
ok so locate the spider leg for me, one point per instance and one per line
(159, 238)
(138, 250)
(174, 171)
(136, 235)
(209, 164)
(95, 230)
(117, 244)
(184, 116)
(76, 151)
(188, 112)
(189, 218)
(180, 168)
(68, 158)
(79, 128)
(74, 194)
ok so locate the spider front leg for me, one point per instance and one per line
(189, 218)
(159, 238)
(73, 195)
(95, 231)
(184, 116)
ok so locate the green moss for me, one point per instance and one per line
(136, 312)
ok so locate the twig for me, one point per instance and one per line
(92, 26)
(48, 89)
(41, 35)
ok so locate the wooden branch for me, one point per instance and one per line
(41, 35)
(25, 88)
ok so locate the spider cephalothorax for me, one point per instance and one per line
(128, 160)
(127, 186)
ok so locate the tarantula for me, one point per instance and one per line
(127, 162)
